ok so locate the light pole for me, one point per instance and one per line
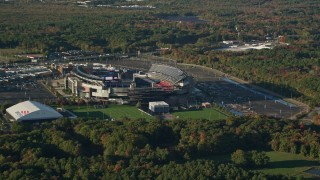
(87, 111)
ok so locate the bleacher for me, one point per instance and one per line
(166, 73)
(167, 86)
(79, 71)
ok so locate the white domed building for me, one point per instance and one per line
(32, 111)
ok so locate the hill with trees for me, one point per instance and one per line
(292, 71)
(140, 149)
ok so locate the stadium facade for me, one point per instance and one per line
(31, 111)
(99, 81)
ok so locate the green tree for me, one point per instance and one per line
(259, 159)
(239, 157)
(19, 127)
(303, 150)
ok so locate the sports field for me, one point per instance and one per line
(131, 112)
(206, 113)
(289, 164)
(111, 112)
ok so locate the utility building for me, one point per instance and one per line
(158, 107)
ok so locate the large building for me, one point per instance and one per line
(97, 81)
(100, 81)
(31, 111)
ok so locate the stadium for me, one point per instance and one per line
(107, 82)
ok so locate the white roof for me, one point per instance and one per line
(158, 103)
(31, 110)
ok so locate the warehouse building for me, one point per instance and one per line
(31, 111)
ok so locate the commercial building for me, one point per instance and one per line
(31, 111)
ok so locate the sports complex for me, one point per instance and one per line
(159, 86)
(216, 87)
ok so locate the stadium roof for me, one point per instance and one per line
(158, 103)
(32, 111)
(168, 73)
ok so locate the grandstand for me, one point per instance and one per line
(78, 71)
(158, 84)
(168, 74)
(166, 86)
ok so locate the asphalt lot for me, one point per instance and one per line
(20, 91)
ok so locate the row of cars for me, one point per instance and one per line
(9, 74)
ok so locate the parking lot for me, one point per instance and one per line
(18, 91)
(243, 101)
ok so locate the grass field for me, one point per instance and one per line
(206, 113)
(281, 163)
(112, 111)
(289, 164)
(123, 111)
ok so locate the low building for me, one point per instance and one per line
(31, 111)
(158, 107)
(206, 105)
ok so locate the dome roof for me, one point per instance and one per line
(32, 110)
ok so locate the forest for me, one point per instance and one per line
(141, 149)
(291, 70)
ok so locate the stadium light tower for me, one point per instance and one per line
(87, 111)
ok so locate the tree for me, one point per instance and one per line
(314, 150)
(3, 107)
(259, 159)
(239, 157)
(303, 150)
(19, 127)
(316, 119)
